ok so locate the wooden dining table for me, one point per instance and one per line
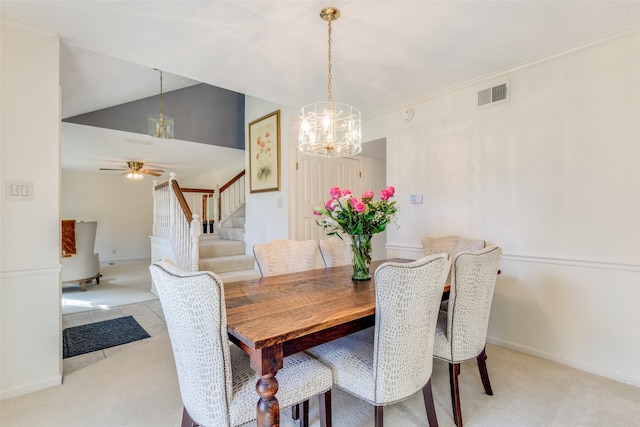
(273, 317)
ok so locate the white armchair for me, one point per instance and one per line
(84, 265)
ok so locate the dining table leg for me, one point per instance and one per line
(266, 362)
(268, 410)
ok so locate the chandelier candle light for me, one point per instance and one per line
(160, 126)
(359, 219)
(330, 129)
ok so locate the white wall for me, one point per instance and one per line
(267, 214)
(551, 176)
(374, 178)
(30, 345)
(123, 209)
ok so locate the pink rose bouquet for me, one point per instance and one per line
(347, 214)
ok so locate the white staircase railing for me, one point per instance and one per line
(179, 228)
(173, 220)
(230, 198)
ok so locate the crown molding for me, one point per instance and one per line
(28, 29)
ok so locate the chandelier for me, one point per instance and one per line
(160, 126)
(330, 129)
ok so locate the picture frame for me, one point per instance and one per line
(264, 153)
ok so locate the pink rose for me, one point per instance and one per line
(329, 205)
(387, 193)
(357, 205)
(315, 212)
(346, 193)
(367, 196)
(335, 192)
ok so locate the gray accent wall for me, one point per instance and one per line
(202, 113)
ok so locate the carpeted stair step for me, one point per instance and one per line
(231, 233)
(234, 276)
(226, 264)
(238, 221)
(221, 247)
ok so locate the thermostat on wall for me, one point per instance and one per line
(416, 198)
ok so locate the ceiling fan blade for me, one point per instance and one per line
(149, 172)
(105, 169)
(155, 170)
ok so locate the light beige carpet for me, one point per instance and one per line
(138, 387)
(122, 283)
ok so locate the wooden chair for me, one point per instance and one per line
(217, 385)
(285, 256)
(461, 332)
(398, 361)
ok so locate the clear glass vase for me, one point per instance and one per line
(361, 249)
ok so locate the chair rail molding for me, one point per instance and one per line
(33, 270)
(414, 252)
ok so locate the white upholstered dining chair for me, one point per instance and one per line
(217, 385)
(285, 256)
(461, 332)
(398, 361)
(451, 245)
(335, 251)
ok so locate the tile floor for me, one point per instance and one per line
(148, 314)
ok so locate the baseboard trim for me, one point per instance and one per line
(30, 388)
(634, 381)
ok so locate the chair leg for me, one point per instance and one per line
(324, 401)
(187, 421)
(484, 374)
(455, 392)
(427, 394)
(295, 411)
(304, 413)
(378, 416)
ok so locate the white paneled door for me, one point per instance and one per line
(314, 177)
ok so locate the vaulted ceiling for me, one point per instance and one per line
(386, 54)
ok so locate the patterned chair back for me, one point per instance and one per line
(335, 251)
(472, 284)
(407, 299)
(285, 256)
(451, 245)
(194, 309)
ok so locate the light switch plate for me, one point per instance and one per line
(18, 190)
(416, 198)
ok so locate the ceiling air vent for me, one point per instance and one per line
(493, 95)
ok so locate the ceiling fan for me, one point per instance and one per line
(135, 171)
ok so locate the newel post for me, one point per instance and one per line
(196, 231)
(173, 205)
(154, 232)
(216, 206)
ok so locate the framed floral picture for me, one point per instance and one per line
(264, 153)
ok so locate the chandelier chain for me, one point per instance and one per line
(329, 66)
(160, 93)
